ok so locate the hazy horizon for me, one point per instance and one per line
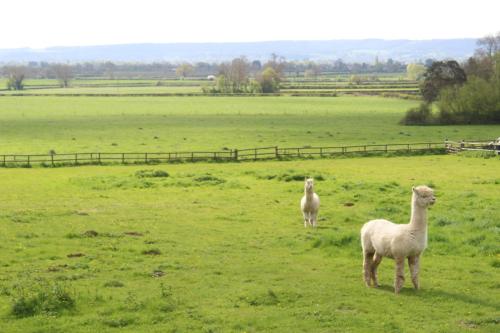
(362, 50)
(58, 23)
(240, 42)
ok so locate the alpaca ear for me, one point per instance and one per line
(413, 189)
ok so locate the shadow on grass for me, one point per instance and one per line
(432, 293)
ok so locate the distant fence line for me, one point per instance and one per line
(250, 154)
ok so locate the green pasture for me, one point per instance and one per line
(103, 90)
(340, 90)
(222, 247)
(161, 124)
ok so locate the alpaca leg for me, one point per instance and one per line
(306, 219)
(367, 267)
(377, 258)
(414, 263)
(313, 219)
(400, 274)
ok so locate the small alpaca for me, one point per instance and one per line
(309, 203)
(381, 238)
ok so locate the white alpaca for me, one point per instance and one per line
(381, 238)
(309, 203)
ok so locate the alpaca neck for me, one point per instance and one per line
(418, 216)
(309, 194)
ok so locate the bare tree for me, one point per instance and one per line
(277, 63)
(15, 76)
(239, 73)
(63, 73)
(489, 45)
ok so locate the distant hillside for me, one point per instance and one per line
(348, 50)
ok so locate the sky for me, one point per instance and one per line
(45, 23)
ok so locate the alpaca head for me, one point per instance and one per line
(423, 196)
(309, 184)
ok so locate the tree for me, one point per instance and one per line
(356, 79)
(256, 66)
(476, 102)
(312, 71)
(277, 63)
(415, 71)
(340, 66)
(184, 70)
(63, 73)
(239, 73)
(233, 77)
(440, 75)
(428, 62)
(269, 80)
(479, 66)
(110, 69)
(15, 77)
(489, 45)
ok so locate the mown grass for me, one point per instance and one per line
(146, 124)
(222, 247)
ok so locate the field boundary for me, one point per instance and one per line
(229, 155)
(477, 145)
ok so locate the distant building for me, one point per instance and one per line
(211, 77)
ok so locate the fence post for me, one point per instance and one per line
(408, 147)
(28, 160)
(146, 158)
(99, 158)
(276, 152)
(4, 162)
(215, 156)
(123, 158)
(298, 152)
(192, 157)
(52, 159)
(236, 154)
(255, 155)
(321, 152)
(386, 148)
(76, 158)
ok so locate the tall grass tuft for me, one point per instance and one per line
(50, 298)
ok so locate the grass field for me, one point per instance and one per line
(222, 247)
(301, 85)
(142, 124)
(120, 90)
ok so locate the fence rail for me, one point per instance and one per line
(476, 145)
(262, 153)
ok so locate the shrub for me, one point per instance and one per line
(421, 115)
(476, 102)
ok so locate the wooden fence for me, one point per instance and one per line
(254, 154)
(476, 145)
